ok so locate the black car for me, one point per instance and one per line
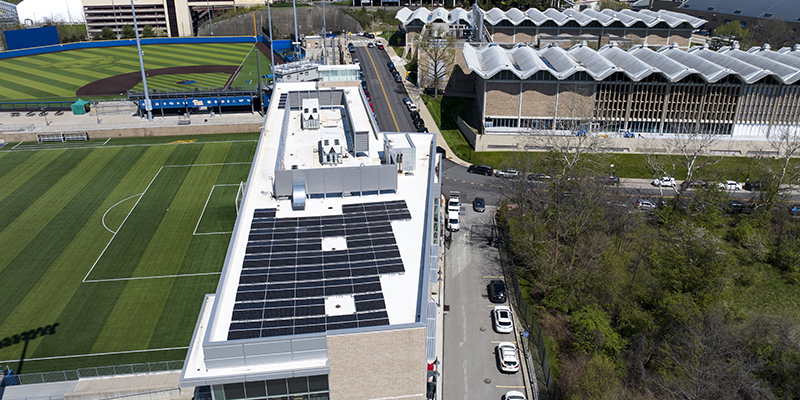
(754, 186)
(422, 129)
(440, 150)
(419, 123)
(479, 204)
(538, 176)
(414, 115)
(397, 78)
(390, 65)
(610, 180)
(481, 169)
(497, 291)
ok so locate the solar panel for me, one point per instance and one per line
(286, 274)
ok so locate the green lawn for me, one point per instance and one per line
(248, 75)
(57, 76)
(108, 242)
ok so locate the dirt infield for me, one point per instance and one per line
(119, 84)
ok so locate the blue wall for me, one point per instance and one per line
(126, 42)
(34, 37)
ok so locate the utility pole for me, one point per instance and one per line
(296, 36)
(148, 105)
(324, 35)
(271, 48)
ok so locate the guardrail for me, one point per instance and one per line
(93, 372)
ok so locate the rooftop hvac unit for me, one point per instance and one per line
(310, 114)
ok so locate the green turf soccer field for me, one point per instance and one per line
(57, 76)
(117, 243)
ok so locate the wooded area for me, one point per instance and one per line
(658, 304)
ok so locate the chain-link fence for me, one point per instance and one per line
(74, 375)
(532, 338)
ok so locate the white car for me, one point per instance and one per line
(507, 355)
(729, 185)
(514, 395)
(502, 319)
(664, 181)
(507, 173)
(454, 204)
(412, 107)
(452, 221)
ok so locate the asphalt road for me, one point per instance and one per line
(470, 370)
(387, 95)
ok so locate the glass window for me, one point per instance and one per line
(298, 385)
(219, 394)
(234, 391)
(276, 387)
(317, 383)
(255, 389)
(319, 396)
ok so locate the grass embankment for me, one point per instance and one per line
(101, 241)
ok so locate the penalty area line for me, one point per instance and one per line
(98, 354)
(204, 211)
(139, 278)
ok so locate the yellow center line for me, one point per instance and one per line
(397, 127)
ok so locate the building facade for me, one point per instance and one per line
(732, 92)
(172, 17)
(541, 27)
(8, 13)
(326, 288)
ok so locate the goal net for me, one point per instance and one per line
(239, 196)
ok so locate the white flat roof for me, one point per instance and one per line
(400, 291)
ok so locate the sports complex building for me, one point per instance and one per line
(540, 27)
(326, 287)
(734, 92)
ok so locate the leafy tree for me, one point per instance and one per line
(128, 32)
(775, 32)
(593, 332)
(148, 31)
(733, 29)
(107, 34)
(614, 5)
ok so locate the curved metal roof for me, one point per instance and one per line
(637, 63)
(516, 17)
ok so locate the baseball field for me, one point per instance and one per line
(109, 246)
(62, 75)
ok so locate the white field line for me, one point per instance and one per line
(120, 225)
(15, 146)
(97, 354)
(236, 73)
(48, 147)
(109, 209)
(204, 211)
(139, 278)
(212, 233)
(107, 140)
(141, 195)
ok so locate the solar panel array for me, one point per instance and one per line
(286, 275)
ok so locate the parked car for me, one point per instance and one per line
(795, 211)
(390, 65)
(644, 204)
(407, 101)
(356, 61)
(422, 129)
(697, 183)
(754, 185)
(739, 207)
(608, 180)
(513, 395)
(729, 185)
(397, 78)
(479, 205)
(452, 221)
(419, 124)
(538, 176)
(482, 169)
(414, 115)
(507, 357)
(352, 49)
(412, 107)
(497, 291)
(664, 181)
(441, 150)
(454, 202)
(502, 319)
(507, 173)
(380, 46)
(370, 35)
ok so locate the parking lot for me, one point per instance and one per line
(470, 369)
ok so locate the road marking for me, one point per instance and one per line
(510, 387)
(491, 277)
(388, 103)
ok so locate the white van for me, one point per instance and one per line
(452, 221)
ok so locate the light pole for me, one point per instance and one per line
(296, 36)
(208, 11)
(148, 105)
(116, 26)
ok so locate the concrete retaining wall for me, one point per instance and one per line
(29, 136)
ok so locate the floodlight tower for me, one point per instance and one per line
(148, 105)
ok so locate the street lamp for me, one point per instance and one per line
(115, 18)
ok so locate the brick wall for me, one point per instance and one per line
(502, 99)
(538, 99)
(375, 365)
(575, 101)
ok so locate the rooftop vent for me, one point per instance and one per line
(310, 114)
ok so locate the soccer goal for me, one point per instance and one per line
(76, 136)
(239, 196)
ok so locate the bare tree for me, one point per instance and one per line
(774, 31)
(785, 144)
(688, 151)
(436, 54)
